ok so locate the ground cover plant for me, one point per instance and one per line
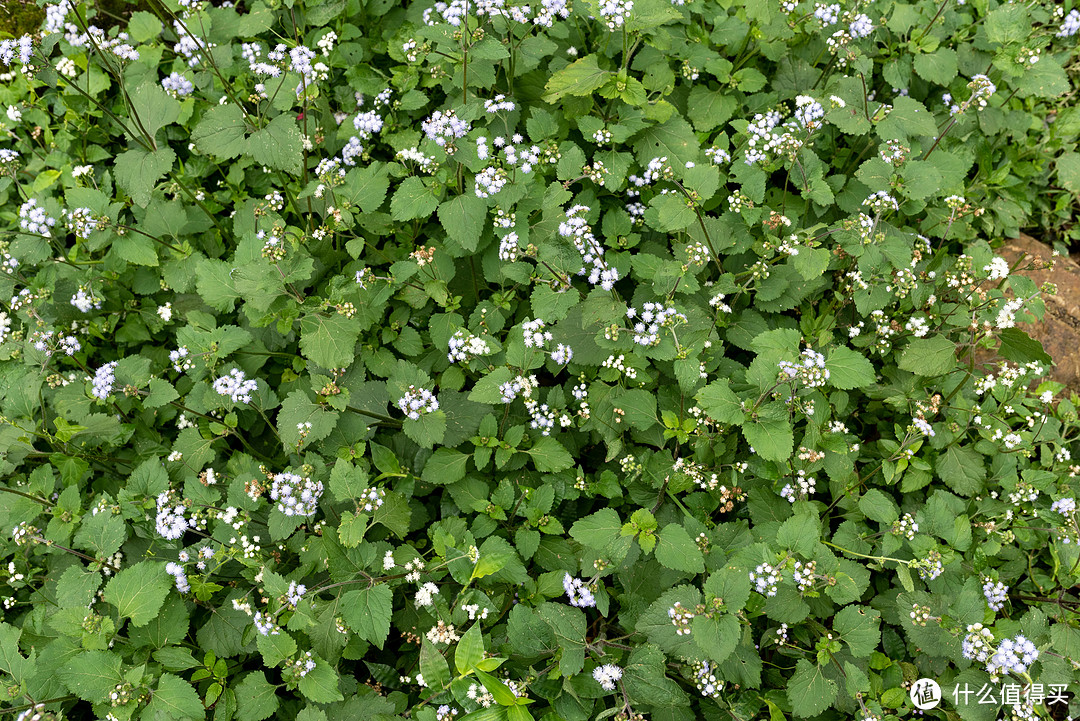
(562, 361)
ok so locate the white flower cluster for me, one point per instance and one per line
(1069, 26)
(812, 372)
(179, 576)
(445, 126)
(520, 386)
(104, 379)
(592, 253)
(171, 522)
(236, 386)
(681, 618)
(417, 402)
(296, 495)
(808, 112)
(905, 526)
(562, 354)
(82, 222)
(19, 49)
(705, 679)
(426, 163)
(765, 579)
(499, 104)
(827, 14)
(425, 595)
(578, 592)
(978, 644)
(534, 333)
(881, 201)
(1064, 506)
(615, 12)
(34, 219)
(653, 316)
(84, 301)
(464, 346)
(177, 85)
(295, 592)
(996, 594)
(803, 488)
(607, 675)
(180, 360)
(1013, 655)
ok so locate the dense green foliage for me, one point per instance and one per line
(561, 362)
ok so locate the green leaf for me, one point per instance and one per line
(77, 586)
(877, 506)
(677, 550)
(365, 187)
(329, 342)
(470, 650)
(138, 591)
(277, 146)
(463, 217)
(256, 699)
(771, 434)
(849, 369)
(717, 637)
(298, 409)
(568, 625)
(92, 675)
(138, 170)
(220, 132)
(963, 469)
(413, 199)
(646, 682)
(720, 403)
(928, 356)
(800, 533)
(1008, 24)
(347, 480)
(154, 107)
(320, 684)
(809, 691)
(581, 77)
(597, 531)
(161, 392)
(174, 698)
(938, 67)
(445, 466)
(858, 628)
(1068, 170)
(1019, 347)
(433, 666)
(549, 456)
(367, 611)
(102, 534)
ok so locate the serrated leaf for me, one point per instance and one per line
(858, 628)
(928, 356)
(138, 170)
(809, 691)
(549, 456)
(329, 342)
(849, 369)
(446, 466)
(367, 611)
(174, 698)
(413, 199)
(220, 132)
(677, 550)
(138, 591)
(277, 146)
(581, 77)
(256, 699)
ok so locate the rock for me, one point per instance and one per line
(1059, 330)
